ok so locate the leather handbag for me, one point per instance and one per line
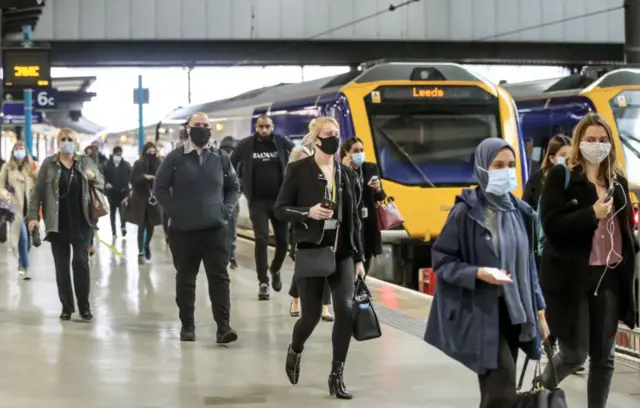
(99, 203)
(538, 396)
(388, 215)
(365, 320)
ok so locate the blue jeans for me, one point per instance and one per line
(23, 246)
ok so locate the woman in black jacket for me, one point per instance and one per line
(588, 260)
(308, 183)
(557, 151)
(352, 154)
(143, 209)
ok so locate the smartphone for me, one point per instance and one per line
(373, 178)
(610, 192)
(328, 204)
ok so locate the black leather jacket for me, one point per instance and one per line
(302, 190)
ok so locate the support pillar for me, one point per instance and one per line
(632, 31)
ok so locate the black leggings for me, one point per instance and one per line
(311, 289)
(295, 293)
(142, 244)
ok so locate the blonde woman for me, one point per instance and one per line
(309, 184)
(17, 179)
(63, 191)
(298, 153)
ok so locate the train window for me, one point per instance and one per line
(627, 117)
(431, 145)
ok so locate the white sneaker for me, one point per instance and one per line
(25, 275)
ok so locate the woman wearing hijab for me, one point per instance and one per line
(488, 302)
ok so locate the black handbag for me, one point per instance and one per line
(365, 320)
(320, 262)
(538, 396)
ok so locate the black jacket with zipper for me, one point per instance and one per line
(569, 223)
(302, 190)
(242, 159)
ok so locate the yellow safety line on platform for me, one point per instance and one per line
(111, 247)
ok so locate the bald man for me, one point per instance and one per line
(198, 187)
(261, 161)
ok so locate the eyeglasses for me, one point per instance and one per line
(66, 139)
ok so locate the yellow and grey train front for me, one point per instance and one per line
(421, 124)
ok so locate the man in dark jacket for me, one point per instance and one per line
(197, 186)
(261, 161)
(228, 144)
(117, 173)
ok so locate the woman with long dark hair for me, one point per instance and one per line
(143, 209)
(558, 149)
(352, 154)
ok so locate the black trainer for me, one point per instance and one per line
(86, 315)
(124, 232)
(233, 264)
(188, 334)
(65, 316)
(147, 252)
(263, 292)
(226, 335)
(276, 281)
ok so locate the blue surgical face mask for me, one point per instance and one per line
(357, 158)
(561, 160)
(67, 147)
(19, 154)
(502, 181)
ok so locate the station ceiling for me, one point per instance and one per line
(27, 13)
(265, 52)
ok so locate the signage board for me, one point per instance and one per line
(13, 114)
(26, 67)
(429, 92)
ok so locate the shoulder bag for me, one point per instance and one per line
(538, 396)
(365, 320)
(388, 215)
(321, 262)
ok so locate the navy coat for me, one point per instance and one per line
(464, 318)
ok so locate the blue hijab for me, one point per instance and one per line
(514, 248)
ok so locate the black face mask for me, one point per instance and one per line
(329, 145)
(199, 136)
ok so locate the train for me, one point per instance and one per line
(420, 123)
(554, 106)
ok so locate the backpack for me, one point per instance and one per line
(539, 230)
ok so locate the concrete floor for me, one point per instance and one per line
(130, 355)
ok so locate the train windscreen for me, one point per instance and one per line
(626, 111)
(422, 141)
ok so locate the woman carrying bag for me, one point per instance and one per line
(319, 197)
(17, 180)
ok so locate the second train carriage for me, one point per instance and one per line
(420, 122)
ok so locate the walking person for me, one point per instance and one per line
(228, 144)
(488, 304)
(17, 180)
(352, 154)
(63, 192)
(261, 161)
(588, 262)
(308, 184)
(198, 187)
(117, 173)
(301, 152)
(143, 209)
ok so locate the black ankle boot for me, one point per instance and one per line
(292, 366)
(336, 382)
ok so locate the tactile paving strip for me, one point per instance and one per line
(400, 321)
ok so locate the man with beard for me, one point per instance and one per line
(261, 161)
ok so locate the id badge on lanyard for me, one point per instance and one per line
(332, 223)
(365, 212)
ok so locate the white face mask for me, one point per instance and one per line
(595, 153)
(561, 160)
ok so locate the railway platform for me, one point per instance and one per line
(130, 356)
